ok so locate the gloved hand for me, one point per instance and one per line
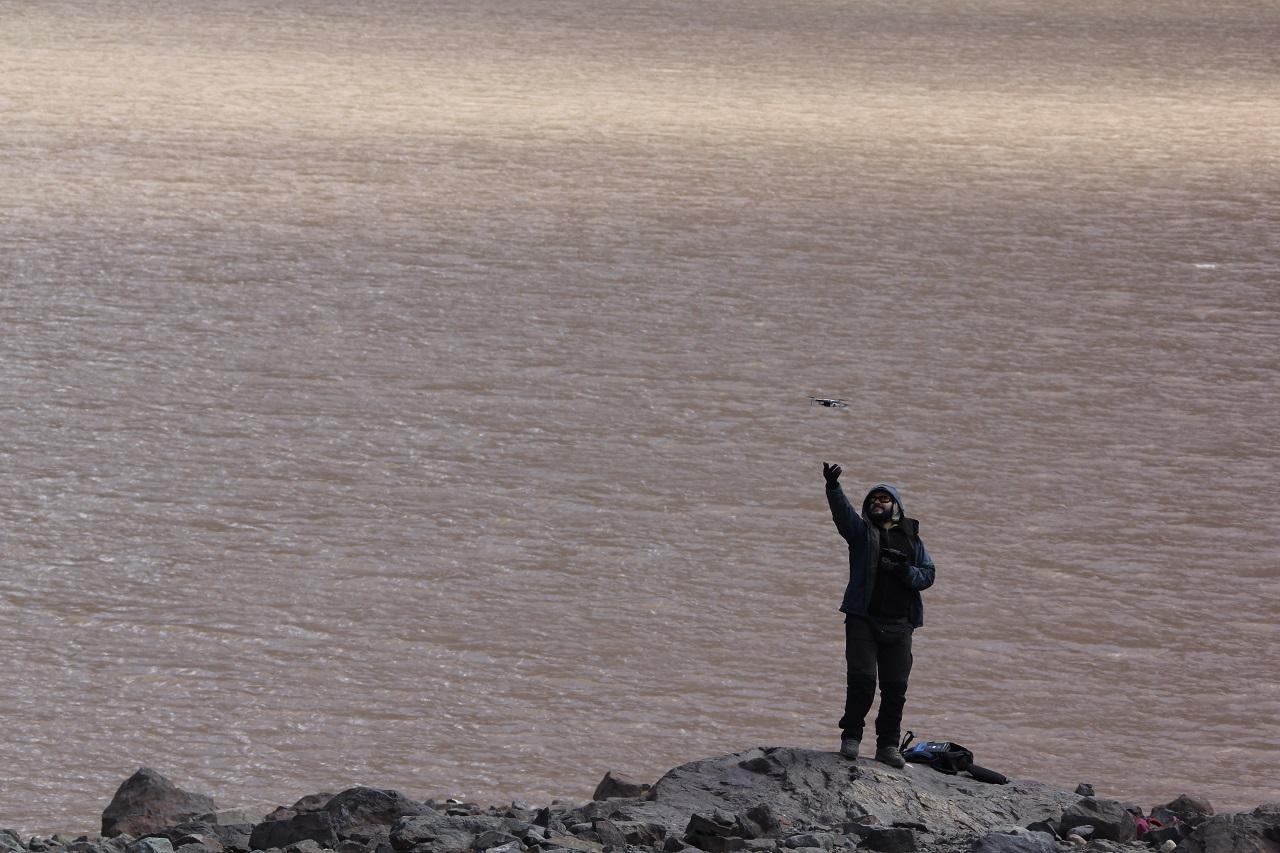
(832, 473)
(895, 561)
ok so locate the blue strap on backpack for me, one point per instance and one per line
(947, 757)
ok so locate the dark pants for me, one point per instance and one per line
(866, 648)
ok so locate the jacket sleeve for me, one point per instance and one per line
(848, 522)
(920, 576)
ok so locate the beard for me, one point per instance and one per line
(880, 513)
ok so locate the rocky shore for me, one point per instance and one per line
(766, 800)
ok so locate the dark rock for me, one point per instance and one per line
(83, 847)
(147, 801)
(760, 845)
(762, 761)
(151, 845)
(568, 842)
(307, 846)
(1086, 831)
(710, 832)
(356, 811)
(233, 836)
(513, 826)
(279, 813)
(1186, 808)
(1269, 815)
(183, 833)
(674, 844)
(890, 839)
(818, 788)
(1024, 841)
(1104, 846)
(1166, 817)
(722, 845)
(312, 803)
(640, 834)
(9, 841)
(616, 808)
(1084, 789)
(764, 816)
(206, 841)
(825, 840)
(1257, 831)
(1109, 819)
(229, 817)
(1158, 836)
(432, 834)
(609, 833)
(1049, 827)
(745, 827)
(493, 838)
(316, 826)
(615, 785)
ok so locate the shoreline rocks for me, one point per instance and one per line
(763, 800)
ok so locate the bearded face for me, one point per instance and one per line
(880, 507)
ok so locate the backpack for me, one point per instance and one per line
(947, 757)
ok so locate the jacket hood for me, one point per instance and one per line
(884, 487)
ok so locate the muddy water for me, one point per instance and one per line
(418, 394)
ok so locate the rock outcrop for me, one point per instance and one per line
(147, 801)
(803, 787)
(764, 800)
(1257, 831)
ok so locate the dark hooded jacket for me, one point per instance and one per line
(864, 553)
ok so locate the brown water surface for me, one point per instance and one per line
(416, 394)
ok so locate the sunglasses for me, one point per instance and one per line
(881, 499)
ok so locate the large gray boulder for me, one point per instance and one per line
(10, 842)
(1257, 831)
(147, 801)
(360, 812)
(211, 836)
(1187, 808)
(308, 826)
(1109, 818)
(801, 788)
(615, 785)
(434, 834)
(151, 845)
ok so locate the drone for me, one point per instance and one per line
(828, 402)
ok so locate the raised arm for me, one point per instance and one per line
(848, 521)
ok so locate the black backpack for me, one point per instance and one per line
(947, 757)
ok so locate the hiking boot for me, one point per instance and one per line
(849, 747)
(890, 755)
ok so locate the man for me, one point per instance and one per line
(888, 566)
